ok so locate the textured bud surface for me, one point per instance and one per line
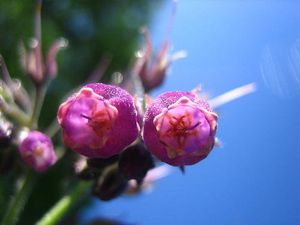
(179, 128)
(37, 151)
(98, 121)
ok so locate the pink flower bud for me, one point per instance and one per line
(37, 151)
(179, 128)
(99, 121)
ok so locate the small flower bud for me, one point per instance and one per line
(179, 128)
(83, 171)
(37, 151)
(110, 184)
(154, 73)
(91, 168)
(135, 162)
(99, 121)
(51, 64)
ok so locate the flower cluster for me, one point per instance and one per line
(100, 121)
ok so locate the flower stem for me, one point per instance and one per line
(37, 105)
(63, 205)
(19, 199)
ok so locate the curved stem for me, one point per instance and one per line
(64, 205)
(19, 199)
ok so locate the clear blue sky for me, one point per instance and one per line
(254, 179)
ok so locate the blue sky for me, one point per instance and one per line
(254, 179)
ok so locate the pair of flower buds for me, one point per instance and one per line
(100, 121)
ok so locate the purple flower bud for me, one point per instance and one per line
(37, 151)
(99, 121)
(179, 128)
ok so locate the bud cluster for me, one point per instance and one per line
(100, 120)
(101, 123)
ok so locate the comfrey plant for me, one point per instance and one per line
(121, 138)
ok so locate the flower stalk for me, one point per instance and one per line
(60, 209)
(19, 199)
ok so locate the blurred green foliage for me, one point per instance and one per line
(93, 29)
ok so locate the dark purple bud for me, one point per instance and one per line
(83, 171)
(179, 128)
(37, 151)
(110, 184)
(100, 164)
(135, 162)
(91, 168)
(99, 121)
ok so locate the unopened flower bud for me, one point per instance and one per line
(99, 121)
(153, 73)
(110, 184)
(37, 151)
(34, 66)
(135, 162)
(91, 168)
(100, 164)
(179, 128)
(51, 64)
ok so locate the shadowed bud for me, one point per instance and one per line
(179, 128)
(99, 121)
(91, 168)
(135, 162)
(110, 184)
(37, 151)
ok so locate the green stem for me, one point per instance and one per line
(13, 112)
(37, 105)
(19, 199)
(63, 205)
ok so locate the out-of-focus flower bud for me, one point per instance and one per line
(153, 68)
(5, 132)
(51, 64)
(83, 171)
(91, 168)
(110, 184)
(99, 121)
(33, 62)
(179, 128)
(153, 73)
(37, 151)
(135, 162)
(100, 164)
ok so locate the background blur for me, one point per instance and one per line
(254, 178)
